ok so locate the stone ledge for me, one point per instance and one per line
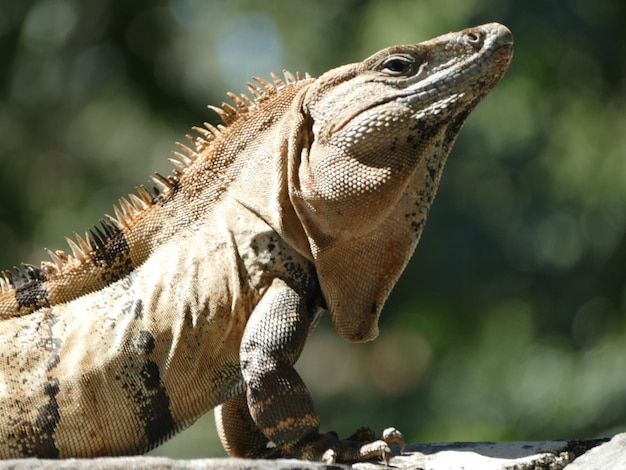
(161, 463)
(552, 455)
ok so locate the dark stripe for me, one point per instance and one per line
(30, 291)
(142, 381)
(47, 421)
(36, 439)
(111, 252)
(155, 412)
(155, 409)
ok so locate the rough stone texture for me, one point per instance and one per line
(548, 455)
(552, 455)
(161, 463)
(608, 456)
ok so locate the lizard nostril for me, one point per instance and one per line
(475, 38)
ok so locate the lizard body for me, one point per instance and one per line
(202, 293)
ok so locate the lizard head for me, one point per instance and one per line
(379, 132)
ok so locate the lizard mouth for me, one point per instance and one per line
(478, 73)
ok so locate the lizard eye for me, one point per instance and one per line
(397, 64)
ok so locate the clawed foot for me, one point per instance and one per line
(362, 445)
(393, 436)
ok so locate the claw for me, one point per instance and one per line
(359, 447)
(386, 454)
(373, 450)
(393, 436)
(329, 457)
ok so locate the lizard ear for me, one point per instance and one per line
(356, 277)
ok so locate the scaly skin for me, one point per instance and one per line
(201, 295)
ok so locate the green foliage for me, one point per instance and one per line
(509, 321)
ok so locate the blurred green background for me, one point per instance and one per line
(509, 323)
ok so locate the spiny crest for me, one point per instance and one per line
(129, 208)
(241, 106)
(83, 248)
(28, 273)
(260, 91)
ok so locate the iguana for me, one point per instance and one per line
(201, 292)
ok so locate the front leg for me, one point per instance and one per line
(278, 401)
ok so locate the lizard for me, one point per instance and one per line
(200, 291)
